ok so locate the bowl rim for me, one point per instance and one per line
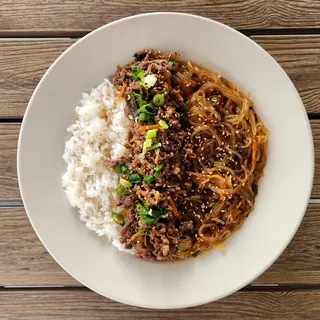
(284, 245)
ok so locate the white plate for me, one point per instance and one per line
(283, 192)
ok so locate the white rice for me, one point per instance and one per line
(98, 133)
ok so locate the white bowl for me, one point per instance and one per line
(283, 192)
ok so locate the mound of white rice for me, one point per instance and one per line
(98, 133)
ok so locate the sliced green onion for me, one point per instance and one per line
(151, 134)
(158, 99)
(139, 99)
(124, 169)
(148, 108)
(148, 204)
(121, 190)
(155, 146)
(147, 145)
(172, 63)
(142, 84)
(148, 179)
(117, 169)
(137, 73)
(118, 218)
(145, 116)
(163, 124)
(135, 178)
(125, 183)
(157, 170)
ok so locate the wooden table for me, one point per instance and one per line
(32, 35)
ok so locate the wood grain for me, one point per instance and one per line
(22, 64)
(84, 304)
(49, 17)
(24, 261)
(9, 189)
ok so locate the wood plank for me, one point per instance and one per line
(9, 189)
(84, 304)
(300, 58)
(22, 64)
(24, 261)
(67, 16)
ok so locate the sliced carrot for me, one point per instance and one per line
(174, 208)
(239, 204)
(222, 196)
(254, 151)
(235, 214)
(150, 127)
(123, 89)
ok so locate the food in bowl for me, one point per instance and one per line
(165, 159)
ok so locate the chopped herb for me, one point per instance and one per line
(145, 117)
(151, 134)
(118, 218)
(157, 170)
(117, 169)
(155, 146)
(124, 169)
(158, 100)
(137, 74)
(148, 81)
(148, 179)
(151, 214)
(135, 178)
(172, 63)
(121, 190)
(139, 99)
(125, 183)
(148, 108)
(163, 124)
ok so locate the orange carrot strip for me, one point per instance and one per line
(235, 214)
(123, 89)
(239, 204)
(222, 196)
(174, 208)
(150, 127)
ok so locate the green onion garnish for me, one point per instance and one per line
(124, 169)
(163, 124)
(139, 99)
(155, 146)
(125, 183)
(151, 134)
(158, 100)
(148, 108)
(117, 169)
(137, 73)
(135, 178)
(121, 190)
(147, 145)
(172, 63)
(145, 117)
(157, 170)
(151, 214)
(118, 218)
(148, 179)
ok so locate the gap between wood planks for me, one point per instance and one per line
(248, 288)
(79, 34)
